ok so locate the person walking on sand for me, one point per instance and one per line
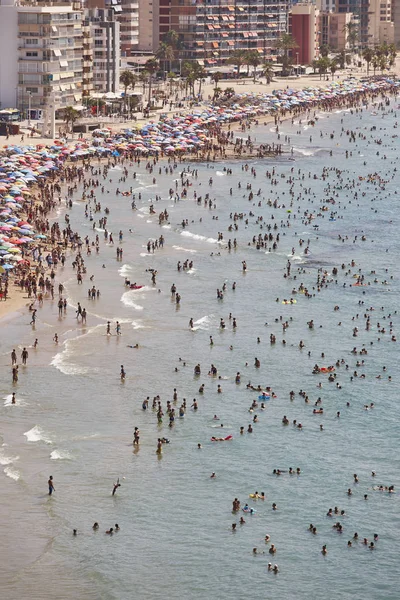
(51, 485)
(33, 320)
(13, 357)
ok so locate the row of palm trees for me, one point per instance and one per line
(382, 57)
(191, 72)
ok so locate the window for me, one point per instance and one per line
(32, 90)
(98, 43)
(98, 32)
(33, 42)
(32, 54)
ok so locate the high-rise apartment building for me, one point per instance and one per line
(360, 10)
(105, 38)
(41, 53)
(127, 14)
(210, 30)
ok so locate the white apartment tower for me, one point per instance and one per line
(41, 54)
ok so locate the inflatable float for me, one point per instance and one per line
(221, 439)
(133, 286)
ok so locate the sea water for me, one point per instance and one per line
(74, 418)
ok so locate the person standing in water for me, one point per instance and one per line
(116, 486)
(51, 485)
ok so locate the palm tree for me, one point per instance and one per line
(323, 65)
(164, 54)
(229, 92)
(171, 78)
(333, 67)
(351, 30)
(314, 65)
(201, 74)
(368, 55)
(237, 58)
(375, 62)
(382, 63)
(144, 77)
(268, 71)
(341, 59)
(171, 38)
(217, 76)
(151, 66)
(127, 78)
(286, 43)
(252, 59)
(70, 115)
(324, 50)
(217, 92)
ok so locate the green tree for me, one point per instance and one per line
(324, 50)
(383, 63)
(351, 31)
(165, 54)
(216, 77)
(341, 59)
(229, 92)
(323, 65)
(151, 66)
(172, 80)
(268, 71)
(314, 65)
(252, 59)
(217, 93)
(128, 79)
(368, 55)
(375, 62)
(333, 65)
(286, 43)
(144, 78)
(237, 58)
(70, 115)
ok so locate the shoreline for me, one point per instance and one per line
(218, 149)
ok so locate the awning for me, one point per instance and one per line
(54, 28)
(230, 43)
(63, 63)
(215, 44)
(117, 9)
(57, 51)
(77, 97)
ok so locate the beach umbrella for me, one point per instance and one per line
(7, 266)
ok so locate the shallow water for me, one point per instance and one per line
(75, 419)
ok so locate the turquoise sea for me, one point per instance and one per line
(74, 417)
